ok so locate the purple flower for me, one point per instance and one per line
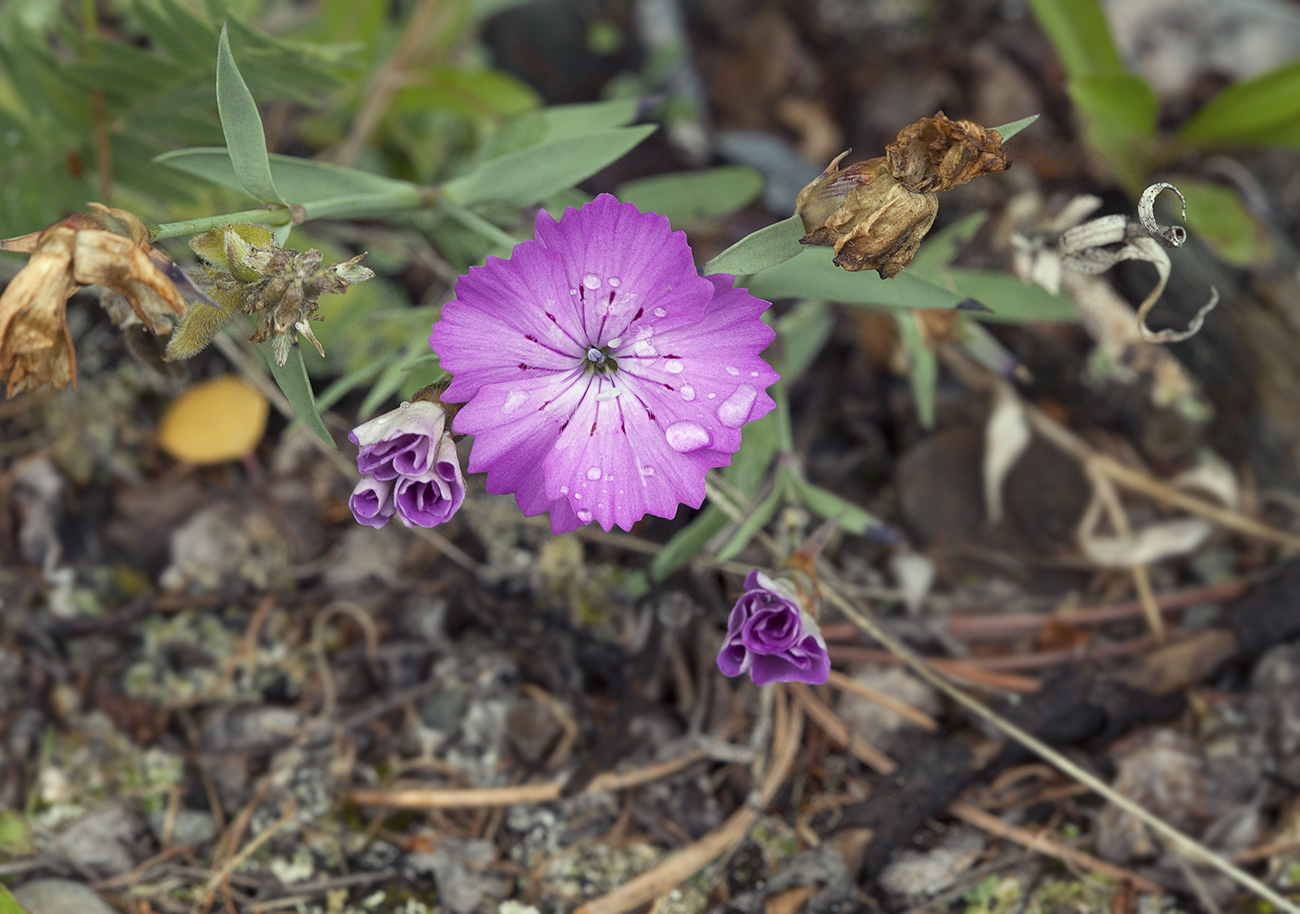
(770, 637)
(603, 376)
(409, 468)
(400, 442)
(372, 502)
(431, 498)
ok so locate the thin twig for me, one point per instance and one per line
(1176, 838)
(681, 865)
(459, 798)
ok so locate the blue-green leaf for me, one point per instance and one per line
(812, 274)
(803, 332)
(242, 126)
(1007, 131)
(922, 366)
(293, 380)
(762, 250)
(831, 506)
(525, 177)
(688, 542)
(758, 517)
(1010, 300)
(690, 197)
(316, 185)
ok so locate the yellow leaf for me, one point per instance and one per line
(215, 421)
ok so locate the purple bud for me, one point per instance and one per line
(771, 637)
(372, 502)
(431, 498)
(401, 442)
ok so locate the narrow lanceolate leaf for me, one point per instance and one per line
(293, 380)
(526, 177)
(1007, 131)
(760, 251)
(693, 196)
(242, 126)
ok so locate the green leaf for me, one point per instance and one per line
(688, 198)
(749, 465)
(1007, 131)
(1119, 112)
(1250, 112)
(15, 836)
(559, 121)
(762, 250)
(1079, 31)
(1215, 213)
(1012, 301)
(9, 904)
(803, 332)
(830, 506)
(688, 542)
(242, 126)
(812, 274)
(922, 366)
(758, 517)
(293, 380)
(523, 178)
(941, 247)
(316, 185)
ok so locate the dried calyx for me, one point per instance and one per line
(875, 213)
(249, 271)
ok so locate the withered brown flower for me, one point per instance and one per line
(875, 213)
(106, 247)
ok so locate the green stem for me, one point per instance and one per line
(278, 215)
(476, 223)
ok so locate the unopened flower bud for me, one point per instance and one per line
(772, 634)
(409, 467)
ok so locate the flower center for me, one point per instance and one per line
(600, 361)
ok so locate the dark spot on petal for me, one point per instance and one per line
(565, 425)
(523, 367)
(639, 312)
(551, 316)
(611, 298)
(651, 413)
(530, 337)
(592, 433)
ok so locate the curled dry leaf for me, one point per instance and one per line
(875, 213)
(1161, 540)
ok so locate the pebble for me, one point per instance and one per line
(60, 896)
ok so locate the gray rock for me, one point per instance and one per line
(60, 896)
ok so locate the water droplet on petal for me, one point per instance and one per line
(712, 395)
(688, 392)
(644, 349)
(660, 312)
(609, 477)
(564, 490)
(584, 515)
(615, 342)
(734, 410)
(615, 281)
(753, 374)
(686, 436)
(732, 371)
(593, 473)
(674, 366)
(591, 281)
(609, 393)
(514, 399)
